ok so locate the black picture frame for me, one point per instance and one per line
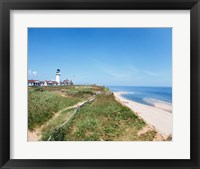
(7, 5)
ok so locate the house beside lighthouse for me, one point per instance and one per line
(56, 82)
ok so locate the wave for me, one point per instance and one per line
(152, 101)
(159, 104)
(152, 96)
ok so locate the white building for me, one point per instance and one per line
(58, 76)
(50, 82)
(33, 83)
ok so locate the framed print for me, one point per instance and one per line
(95, 84)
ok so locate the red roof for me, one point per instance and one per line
(33, 81)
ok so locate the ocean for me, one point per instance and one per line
(145, 95)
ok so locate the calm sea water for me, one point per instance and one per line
(145, 95)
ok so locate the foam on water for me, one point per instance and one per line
(145, 95)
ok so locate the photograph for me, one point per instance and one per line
(99, 84)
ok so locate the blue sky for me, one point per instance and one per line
(102, 56)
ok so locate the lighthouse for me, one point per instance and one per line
(58, 76)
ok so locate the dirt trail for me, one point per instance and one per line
(35, 135)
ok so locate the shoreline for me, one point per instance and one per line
(158, 116)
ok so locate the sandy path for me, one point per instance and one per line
(35, 135)
(157, 117)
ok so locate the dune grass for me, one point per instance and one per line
(54, 123)
(42, 104)
(105, 119)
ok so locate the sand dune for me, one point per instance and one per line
(159, 116)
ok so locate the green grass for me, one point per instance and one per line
(106, 89)
(54, 123)
(105, 119)
(80, 92)
(74, 91)
(42, 104)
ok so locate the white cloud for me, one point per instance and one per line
(32, 74)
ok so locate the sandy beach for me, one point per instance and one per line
(158, 116)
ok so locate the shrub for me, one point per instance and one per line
(57, 135)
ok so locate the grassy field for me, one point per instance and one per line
(43, 102)
(104, 119)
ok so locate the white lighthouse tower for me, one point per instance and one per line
(58, 76)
